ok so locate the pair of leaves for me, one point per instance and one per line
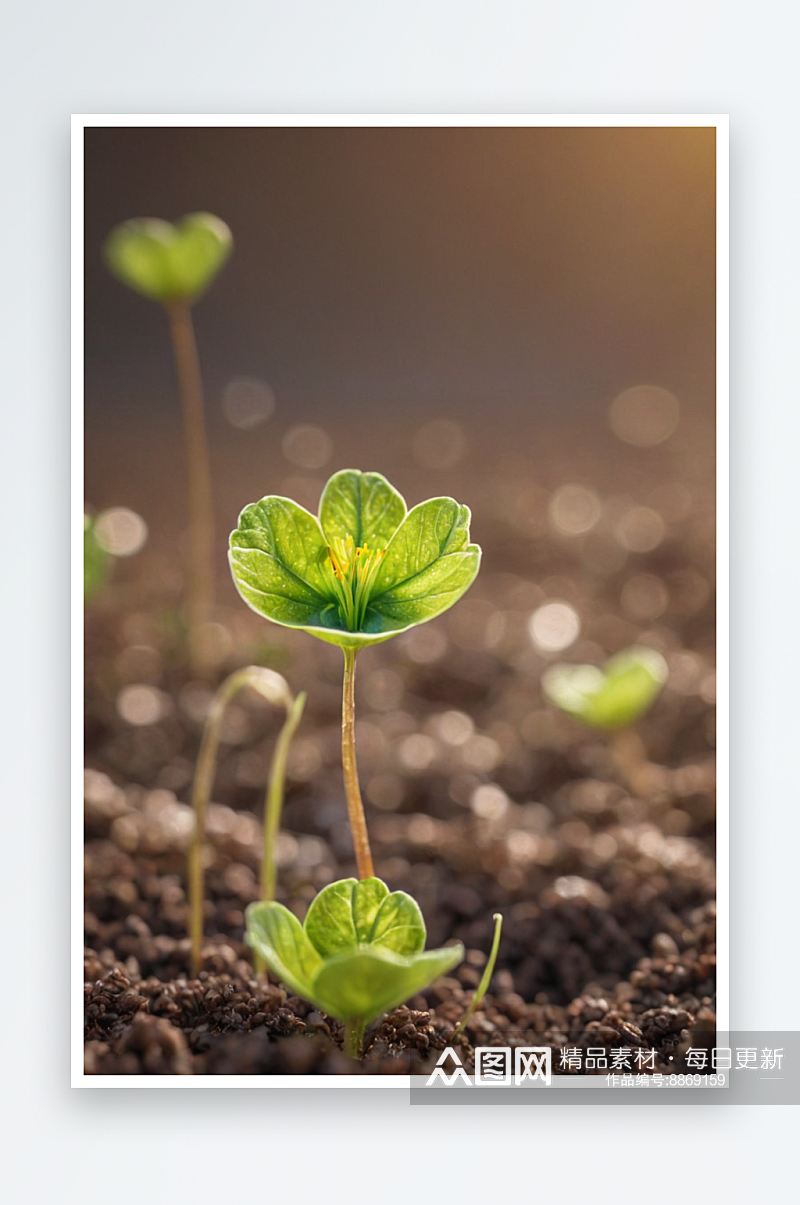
(165, 262)
(359, 953)
(611, 697)
(421, 561)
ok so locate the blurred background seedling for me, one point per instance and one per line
(274, 688)
(174, 265)
(114, 532)
(613, 698)
(95, 559)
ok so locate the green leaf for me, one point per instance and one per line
(371, 980)
(95, 560)
(330, 924)
(368, 895)
(281, 561)
(349, 913)
(611, 697)
(166, 262)
(278, 560)
(362, 506)
(277, 935)
(399, 925)
(359, 953)
(428, 565)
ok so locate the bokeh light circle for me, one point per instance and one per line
(644, 597)
(439, 444)
(573, 510)
(641, 529)
(644, 415)
(120, 531)
(247, 402)
(308, 446)
(554, 626)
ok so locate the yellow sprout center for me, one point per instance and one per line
(354, 569)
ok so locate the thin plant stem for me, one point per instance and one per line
(485, 978)
(201, 794)
(629, 756)
(273, 804)
(273, 688)
(200, 592)
(354, 1037)
(355, 807)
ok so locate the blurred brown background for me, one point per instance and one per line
(420, 267)
(509, 281)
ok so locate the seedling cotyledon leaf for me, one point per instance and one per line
(611, 697)
(174, 265)
(364, 570)
(166, 262)
(359, 953)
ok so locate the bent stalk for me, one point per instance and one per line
(485, 978)
(273, 688)
(200, 592)
(355, 806)
(273, 804)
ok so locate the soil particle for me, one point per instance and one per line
(149, 1046)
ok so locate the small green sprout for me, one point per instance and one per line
(174, 265)
(113, 533)
(169, 263)
(486, 977)
(274, 688)
(95, 559)
(612, 697)
(363, 571)
(360, 952)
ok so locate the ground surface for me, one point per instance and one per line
(480, 797)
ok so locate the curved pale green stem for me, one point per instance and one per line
(273, 804)
(485, 978)
(200, 592)
(274, 689)
(355, 807)
(354, 1038)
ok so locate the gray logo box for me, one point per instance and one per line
(742, 1068)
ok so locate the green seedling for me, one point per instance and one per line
(95, 559)
(613, 698)
(363, 571)
(169, 263)
(272, 687)
(486, 977)
(174, 265)
(360, 952)
(104, 543)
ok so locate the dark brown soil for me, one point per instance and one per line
(480, 799)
